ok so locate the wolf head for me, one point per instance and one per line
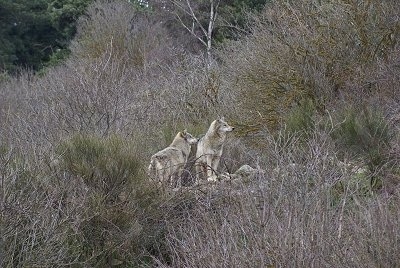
(188, 137)
(223, 126)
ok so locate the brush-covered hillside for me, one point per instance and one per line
(311, 87)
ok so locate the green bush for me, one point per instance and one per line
(118, 198)
(106, 165)
(301, 118)
(366, 138)
(364, 134)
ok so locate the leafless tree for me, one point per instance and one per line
(203, 33)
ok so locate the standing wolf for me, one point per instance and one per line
(167, 165)
(209, 149)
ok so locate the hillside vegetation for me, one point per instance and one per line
(313, 89)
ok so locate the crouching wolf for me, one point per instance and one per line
(209, 149)
(167, 165)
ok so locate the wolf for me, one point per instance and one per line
(209, 149)
(167, 164)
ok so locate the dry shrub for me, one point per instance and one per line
(102, 93)
(36, 216)
(292, 215)
(85, 97)
(139, 37)
(193, 91)
(309, 50)
(92, 206)
(102, 89)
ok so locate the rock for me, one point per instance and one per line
(246, 170)
(244, 173)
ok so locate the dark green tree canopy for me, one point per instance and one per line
(32, 30)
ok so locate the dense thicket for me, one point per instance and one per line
(336, 50)
(313, 91)
(34, 31)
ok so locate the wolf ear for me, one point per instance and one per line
(183, 133)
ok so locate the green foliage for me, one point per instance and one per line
(65, 13)
(233, 17)
(365, 134)
(27, 32)
(365, 137)
(108, 166)
(32, 30)
(301, 118)
(57, 57)
(111, 171)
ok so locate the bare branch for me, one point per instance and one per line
(191, 31)
(207, 33)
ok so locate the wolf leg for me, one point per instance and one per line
(211, 176)
(215, 163)
(199, 171)
(177, 181)
(201, 168)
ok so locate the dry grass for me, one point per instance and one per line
(306, 210)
